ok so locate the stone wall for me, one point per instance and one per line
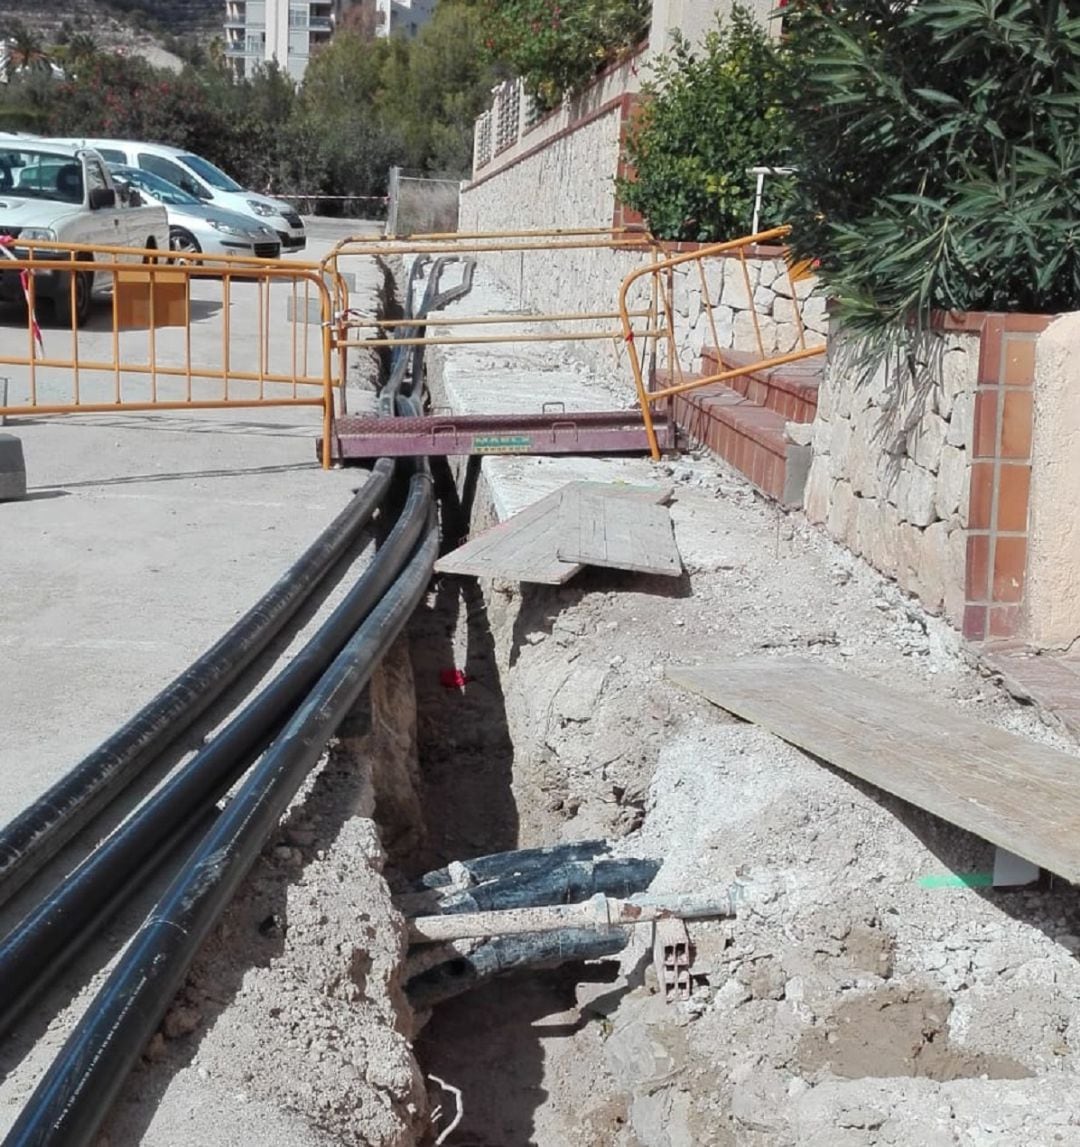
(943, 480)
(719, 302)
(568, 183)
(890, 470)
(577, 193)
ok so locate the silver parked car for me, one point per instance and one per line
(195, 226)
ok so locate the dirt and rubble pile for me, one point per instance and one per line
(865, 999)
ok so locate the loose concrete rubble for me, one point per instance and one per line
(871, 1000)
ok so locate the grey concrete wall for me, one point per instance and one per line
(1053, 574)
(694, 19)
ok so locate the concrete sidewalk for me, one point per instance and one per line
(143, 537)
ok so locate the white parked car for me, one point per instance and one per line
(199, 177)
(53, 192)
(195, 226)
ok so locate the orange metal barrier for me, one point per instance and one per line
(145, 352)
(662, 269)
(584, 326)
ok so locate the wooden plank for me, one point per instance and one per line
(525, 546)
(600, 528)
(1020, 795)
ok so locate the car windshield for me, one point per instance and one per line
(33, 174)
(213, 175)
(160, 189)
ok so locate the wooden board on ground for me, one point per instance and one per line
(599, 529)
(1018, 794)
(525, 547)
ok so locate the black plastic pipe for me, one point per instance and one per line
(569, 883)
(41, 830)
(43, 943)
(71, 1101)
(511, 954)
(518, 863)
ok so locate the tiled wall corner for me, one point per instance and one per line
(1000, 476)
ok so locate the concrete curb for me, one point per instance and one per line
(12, 469)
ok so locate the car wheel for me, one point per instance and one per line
(182, 243)
(62, 304)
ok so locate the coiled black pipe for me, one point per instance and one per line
(39, 832)
(72, 1099)
(41, 945)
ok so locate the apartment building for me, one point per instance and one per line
(402, 17)
(288, 31)
(291, 31)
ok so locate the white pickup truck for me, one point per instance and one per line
(53, 192)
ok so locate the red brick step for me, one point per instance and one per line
(743, 420)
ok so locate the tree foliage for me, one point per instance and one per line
(708, 117)
(939, 154)
(365, 104)
(557, 46)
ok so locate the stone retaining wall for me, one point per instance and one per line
(890, 471)
(929, 475)
(568, 182)
(735, 306)
(721, 312)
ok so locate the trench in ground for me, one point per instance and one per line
(532, 1052)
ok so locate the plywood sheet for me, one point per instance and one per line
(525, 546)
(1020, 795)
(599, 527)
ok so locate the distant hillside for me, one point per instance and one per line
(144, 27)
(180, 17)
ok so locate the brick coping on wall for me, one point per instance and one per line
(605, 73)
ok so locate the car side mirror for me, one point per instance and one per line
(102, 197)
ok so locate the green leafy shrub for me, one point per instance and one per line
(557, 46)
(707, 118)
(938, 147)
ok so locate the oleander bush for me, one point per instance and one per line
(938, 147)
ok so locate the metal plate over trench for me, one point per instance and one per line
(580, 432)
